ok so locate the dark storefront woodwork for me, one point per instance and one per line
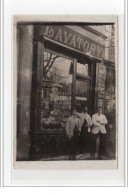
(60, 84)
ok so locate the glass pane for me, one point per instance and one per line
(56, 91)
(81, 94)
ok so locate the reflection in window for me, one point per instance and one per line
(81, 93)
(56, 91)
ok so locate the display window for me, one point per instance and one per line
(64, 86)
(56, 91)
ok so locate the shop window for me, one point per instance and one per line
(56, 91)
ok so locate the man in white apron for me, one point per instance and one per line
(98, 131)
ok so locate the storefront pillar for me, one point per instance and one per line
(24, 68)
(74, 84)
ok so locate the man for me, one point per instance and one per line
(98, 131)
(72, 130)
(87, 117)
(85, 124)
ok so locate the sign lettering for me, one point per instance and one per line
(68, 37)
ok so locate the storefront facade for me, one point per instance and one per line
(70, 67)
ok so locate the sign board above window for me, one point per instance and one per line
(67, 37)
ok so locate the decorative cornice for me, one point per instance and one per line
(94, 31)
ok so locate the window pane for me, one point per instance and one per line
(56, 91)
(81, 93)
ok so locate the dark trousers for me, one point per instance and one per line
(85, 142)
(74, 144)
(102, 142)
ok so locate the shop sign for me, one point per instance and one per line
(81, 98)
(70, 38)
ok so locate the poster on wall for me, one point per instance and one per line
(101, 77)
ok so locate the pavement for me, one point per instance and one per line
(85, 156)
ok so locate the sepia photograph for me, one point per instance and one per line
(66, 88)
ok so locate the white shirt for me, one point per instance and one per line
(72, 121)
(99, 121)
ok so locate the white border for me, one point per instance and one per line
(93, 178)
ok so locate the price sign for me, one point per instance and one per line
(46, 84)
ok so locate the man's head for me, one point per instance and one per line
(85, 109)
(74, 112)
(99, 109)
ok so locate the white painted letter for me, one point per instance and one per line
(73, 41)
(66, 38)
(49, 31)
(86, 46)
(80, 41)
(92, 49)
(59, 35)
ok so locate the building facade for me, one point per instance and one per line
(60, 68)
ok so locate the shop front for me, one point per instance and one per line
(69, 72)
(61, 68)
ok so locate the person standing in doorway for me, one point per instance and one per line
(87, 117)
(72, 130)
(86, 123)
(98, 133)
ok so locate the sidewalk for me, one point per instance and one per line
(78, 157)
(67, 157)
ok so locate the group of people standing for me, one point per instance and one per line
(86, 134)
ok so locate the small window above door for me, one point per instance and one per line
(82, 69)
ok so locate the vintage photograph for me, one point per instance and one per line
(66, 106)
